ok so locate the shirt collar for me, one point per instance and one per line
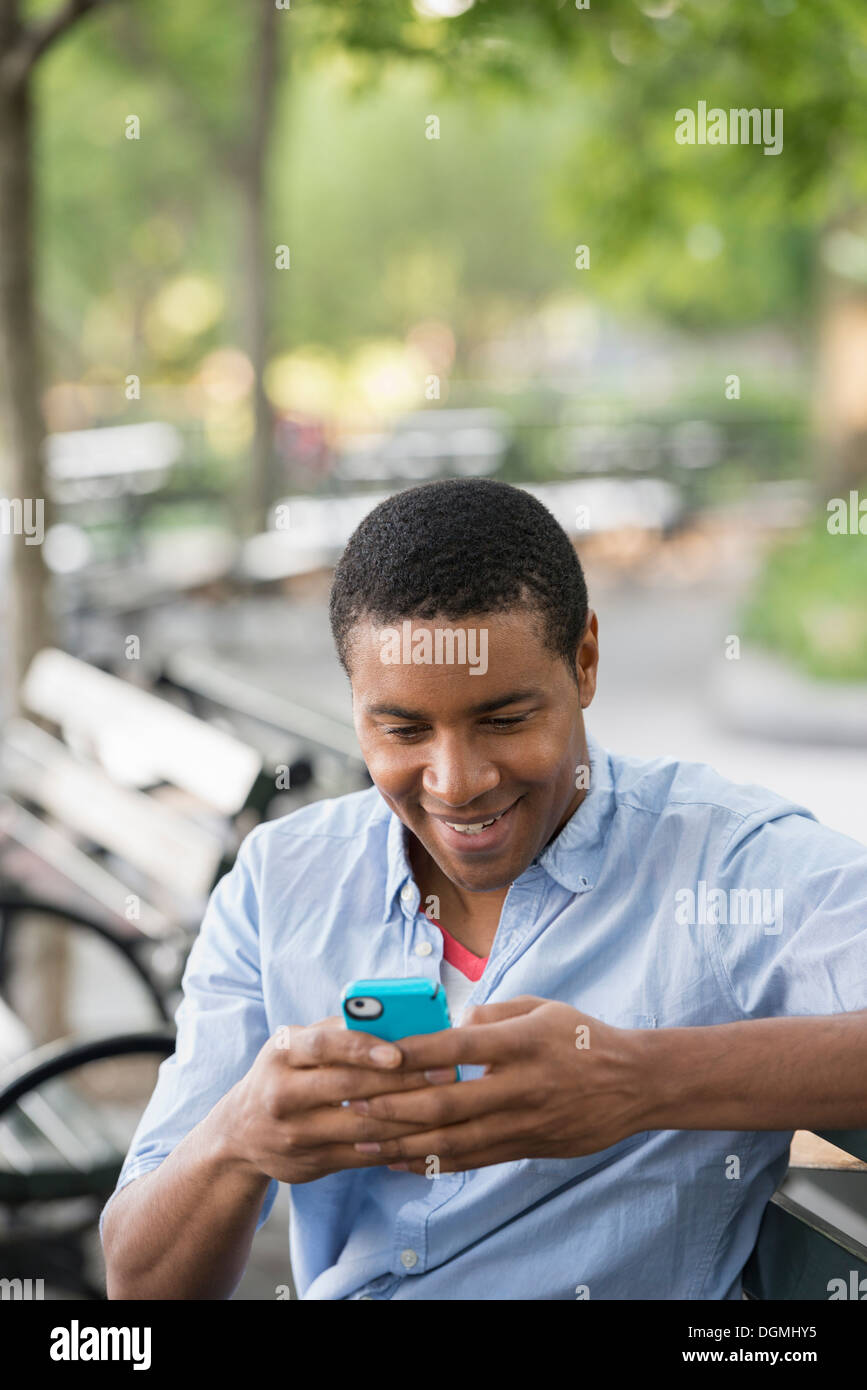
(399, 870)
(572, 859)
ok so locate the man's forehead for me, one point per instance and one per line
(505, 629)
(448, 668)
(424, 689)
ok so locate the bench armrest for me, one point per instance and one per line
(13, 905)
(65, 1054)
(851, 1141)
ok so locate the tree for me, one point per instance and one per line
(704, 236)
(222, 96)
(22, 47)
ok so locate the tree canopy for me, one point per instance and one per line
(556, 128)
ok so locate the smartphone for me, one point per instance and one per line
(395, 1009)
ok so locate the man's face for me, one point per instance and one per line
(444, 744)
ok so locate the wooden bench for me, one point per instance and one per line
(61, 1149)
(142, 739)
(117, 478)
(135, 804)
(53, 1142)
(130, 809)
(813, 1239)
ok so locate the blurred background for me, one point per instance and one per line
(261, 267)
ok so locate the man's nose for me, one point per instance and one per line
(456, 775)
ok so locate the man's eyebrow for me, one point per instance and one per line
(485, 707)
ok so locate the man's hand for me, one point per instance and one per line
(558, 1084)
(286, 1119)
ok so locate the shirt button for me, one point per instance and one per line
(406, 892)
(423, 948)
(408, 1258)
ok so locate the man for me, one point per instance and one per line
(664, 973)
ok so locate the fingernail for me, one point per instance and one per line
(399, 1167)
(440, 1074)
(368, 1148)
(360, 1105)
(384, 1056)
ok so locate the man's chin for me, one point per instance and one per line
(480, 878)
(474, 872)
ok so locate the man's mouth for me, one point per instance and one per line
(490, 833)
(476, 827)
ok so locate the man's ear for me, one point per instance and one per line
(587, 659)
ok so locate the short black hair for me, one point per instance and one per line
(455, 548)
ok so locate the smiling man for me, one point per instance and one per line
(632, 1072)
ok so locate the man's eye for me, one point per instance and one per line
(408, 731)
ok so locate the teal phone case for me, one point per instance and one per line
(409, 1007)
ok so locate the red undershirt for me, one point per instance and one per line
(458, 955)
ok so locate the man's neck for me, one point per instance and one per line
(471, 918)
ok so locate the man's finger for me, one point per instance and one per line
(323, 1044)
(331, 1085)
(478, 1044)
(434, 1106)
(316, 1128)
(453, 1141)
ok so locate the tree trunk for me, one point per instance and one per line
(258, 266)
(23, 475)
(842, 404)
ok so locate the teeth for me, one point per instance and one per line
(474, 829)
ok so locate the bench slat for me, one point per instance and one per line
(196, 672)
(211, 764)
(162, 845)
(797, 1254)
(91, 878)
(77, 1149)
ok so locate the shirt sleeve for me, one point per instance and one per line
(221, 1026)
(793, 939)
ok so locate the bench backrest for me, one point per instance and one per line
(131, 728)
(178, 857)
(314, 728)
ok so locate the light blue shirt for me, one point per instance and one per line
(629, 916)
